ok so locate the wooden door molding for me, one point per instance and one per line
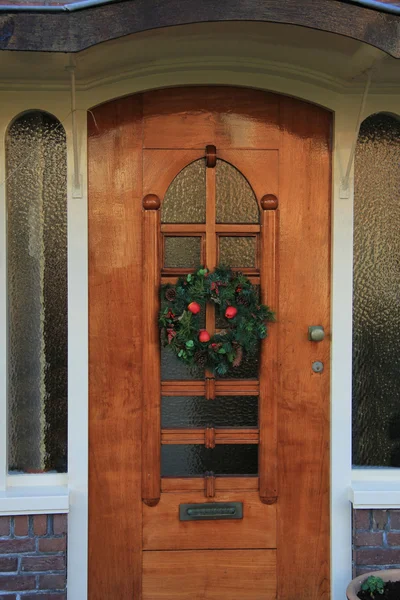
(282, 146)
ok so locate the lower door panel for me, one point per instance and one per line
(209, 575)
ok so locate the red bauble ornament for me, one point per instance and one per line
(204, 336)
(194, 308)
(230, 312)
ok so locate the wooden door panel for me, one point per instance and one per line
(195, 117)
(261, 167)
(210, 575)
(160, 167)
(162, 529)
(303, 406)
(137, 147)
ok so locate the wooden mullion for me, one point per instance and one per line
(183, 388)
(198, 436)
(182, 484)
(268, 450)
(237, 387)
(151, 367)
(237, 229)
(183, 228)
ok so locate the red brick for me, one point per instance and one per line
(43, 597)
(60, 524)
(393, 538)
(17, 583)
(5, 526)
(9, 597)
(378, 556)
(21, 526)
(43, 563)
(395, 519)
(16, 546)
(40, 524)
(52, 544)
(8, 564)
(362, 519)
(379, 519)
(52, 582)
(368, 538)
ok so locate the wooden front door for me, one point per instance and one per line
(179, 178)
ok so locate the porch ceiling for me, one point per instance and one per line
(324, 59)
(37, 27)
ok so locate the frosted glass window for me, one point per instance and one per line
(37, 293)
(376, 299)
(182, 252)
(185, 200)
(235, 199)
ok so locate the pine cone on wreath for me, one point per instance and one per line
(200, 358)
(170, 294)
(238, 357)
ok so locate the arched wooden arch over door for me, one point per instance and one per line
(204, 146)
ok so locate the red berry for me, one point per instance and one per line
(230, 312)
(204, 336)
(194, 308)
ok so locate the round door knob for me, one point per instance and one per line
(316, 333)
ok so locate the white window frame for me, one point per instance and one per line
(30, 494)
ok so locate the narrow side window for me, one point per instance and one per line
(376, 294)
(36, 162)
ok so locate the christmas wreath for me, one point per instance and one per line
(236, 301)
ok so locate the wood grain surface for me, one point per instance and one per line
(294, 263)
(115, 350)
(304, 299)
(75, 31)
(209, 575)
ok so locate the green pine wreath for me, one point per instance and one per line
(183, 308)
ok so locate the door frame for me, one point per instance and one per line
(346, 111)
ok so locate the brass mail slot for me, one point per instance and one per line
(211, 511)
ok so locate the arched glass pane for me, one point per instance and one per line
(37, 292)
(376, 317)
(185, 200)
(235, 200)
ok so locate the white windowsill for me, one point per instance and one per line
(40, 500)
(375, 494)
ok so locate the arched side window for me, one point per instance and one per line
(376, 294)
(36, 161)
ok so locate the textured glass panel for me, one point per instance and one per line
(195, 411)
(235, 200)
(182, 252)
(376, 299)
(185, 200)
(237, 251)
(173, 368)
(37, 291)
(230, 459)
(248, 368)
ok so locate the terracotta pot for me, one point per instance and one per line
(355, 585)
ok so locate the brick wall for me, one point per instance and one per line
(33, 557)
(376, 540)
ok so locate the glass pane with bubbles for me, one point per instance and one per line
(173, 368)
(376, 306)
(182, 252)
(196, 411)
(235, 199)
(37, 293)
(185, 460)
(185, 200)
(238, 251)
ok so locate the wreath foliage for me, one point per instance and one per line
(183, 311)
